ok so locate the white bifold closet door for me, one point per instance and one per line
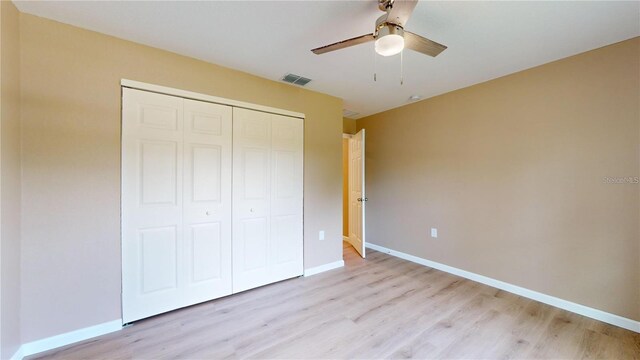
(176, 203)
(267, 198)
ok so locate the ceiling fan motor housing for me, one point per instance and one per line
(386, 28)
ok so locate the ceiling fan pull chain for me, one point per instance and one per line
(401, 68)
(375, 61)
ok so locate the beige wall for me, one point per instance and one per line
(348, 126)
(511, 173)
(345, 187)
(71, 160)
(10, 179)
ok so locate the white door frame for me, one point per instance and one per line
(207, 98)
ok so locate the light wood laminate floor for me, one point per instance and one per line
(381, 307)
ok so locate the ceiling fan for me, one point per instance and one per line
(389, 35)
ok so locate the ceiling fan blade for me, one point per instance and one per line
(343, 44)
(400, 11)
(422, 44)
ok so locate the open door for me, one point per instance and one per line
(357, 198)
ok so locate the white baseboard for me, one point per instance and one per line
(71, 337)
(323, 268)
(603, 316)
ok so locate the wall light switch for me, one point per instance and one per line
(434, 232)
(321, 235)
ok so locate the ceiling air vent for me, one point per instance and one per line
(348, 113)
(295, 79)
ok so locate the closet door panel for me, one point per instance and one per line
(251, 204)
(211, 201)
(287, 197)
(207, 200)
(152, 237)
(268, 242)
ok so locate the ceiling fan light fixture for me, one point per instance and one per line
(389, 45)
(390, 40)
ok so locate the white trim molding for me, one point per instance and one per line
(603, 316)
(71, 337)
(323, 268)
(18, 355)
(208, 98)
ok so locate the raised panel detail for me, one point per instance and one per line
(255, 130)
(284, 134)
(158, 252)
(158, 117)
(206, 124)
(286, 236)
(254, 235)
(206, 252)
(255, 173)
(285, 171)
(158, 167)
(206, 167)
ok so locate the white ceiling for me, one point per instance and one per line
(486, 40)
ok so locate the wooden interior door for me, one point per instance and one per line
(207, 200)
(357, 195)
(152, 237)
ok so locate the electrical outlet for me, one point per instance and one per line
(321, 235)
(434, 232)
